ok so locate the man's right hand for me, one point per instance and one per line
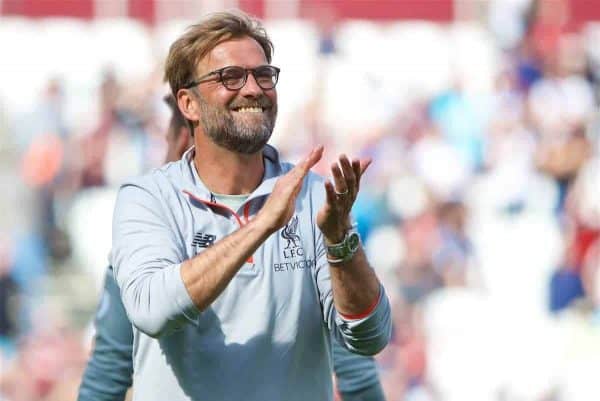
(281, 204)
(206, 275)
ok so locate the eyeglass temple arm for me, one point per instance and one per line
(201, 79)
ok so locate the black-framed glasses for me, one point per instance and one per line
(234, 77)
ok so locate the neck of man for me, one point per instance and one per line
(226, 172)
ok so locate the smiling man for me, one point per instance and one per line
(199, 245)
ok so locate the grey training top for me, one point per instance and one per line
(267, 336)
(108, 374)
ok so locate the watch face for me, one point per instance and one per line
(353, 241)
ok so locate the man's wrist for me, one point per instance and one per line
(261, 228)
(336, 236)
(345, 249)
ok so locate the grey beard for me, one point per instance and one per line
(221, 127)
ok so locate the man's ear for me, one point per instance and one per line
(188, 105)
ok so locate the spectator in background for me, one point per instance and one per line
(117, 147)
(9, 300)
(94, 146)
(583, 205)
(460, 120)
(578, 344)
(561, 105)
(582, 230)
(109, 372)
(49, 363)
(453, 256)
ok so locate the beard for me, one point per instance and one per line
(245, 133)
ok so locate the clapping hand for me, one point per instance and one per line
(334, 217)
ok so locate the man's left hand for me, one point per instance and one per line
(334, 218)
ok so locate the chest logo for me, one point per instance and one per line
(203, 240)
(293, 252)
(290, 233)
(293, 246)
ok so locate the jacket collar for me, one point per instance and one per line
(193, 185)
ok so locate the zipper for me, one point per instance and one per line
(213, 203)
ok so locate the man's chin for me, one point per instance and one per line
(247, 149)
(248, 145)
(257, 145)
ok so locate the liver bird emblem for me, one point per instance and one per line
(289, 233)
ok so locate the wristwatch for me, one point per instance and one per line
(345, 250)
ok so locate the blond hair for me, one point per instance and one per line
(199, 39)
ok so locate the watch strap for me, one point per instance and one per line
(342, 251)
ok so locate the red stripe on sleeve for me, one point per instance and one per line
(363, 314)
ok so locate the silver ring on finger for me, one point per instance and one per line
(343, 193)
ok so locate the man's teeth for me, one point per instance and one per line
(249, 110)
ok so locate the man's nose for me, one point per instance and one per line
(251, 88)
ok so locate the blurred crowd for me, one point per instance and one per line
(480, 213)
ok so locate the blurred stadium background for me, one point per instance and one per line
(481, 212)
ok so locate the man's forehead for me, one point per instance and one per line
(245, 52)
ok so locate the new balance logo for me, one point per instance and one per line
(202, 240)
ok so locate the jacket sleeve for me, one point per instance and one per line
(356, 375)
(108, 374)
(367, 335)
(146, 257)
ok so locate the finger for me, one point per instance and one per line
(364, 164)
(349, 176)
(330, 192)
(298, 173)
(338, 179)
(357, 173)
(309, 162)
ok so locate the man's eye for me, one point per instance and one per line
(233, 75)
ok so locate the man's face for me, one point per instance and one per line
(240, 120)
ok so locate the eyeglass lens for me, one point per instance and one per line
(235, 77)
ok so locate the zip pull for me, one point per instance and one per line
(213, 202)
(247, 212)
